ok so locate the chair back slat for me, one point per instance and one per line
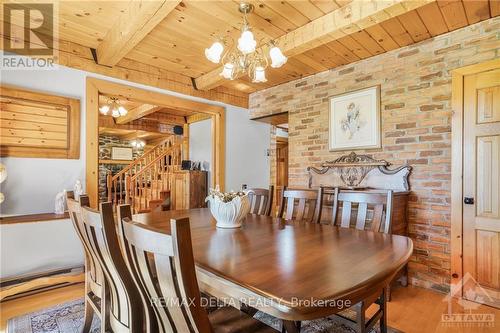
(162, 265)
(361, 218)
(261, 200)
(308, 208)
(125, 306)
(388, 213)
(366, 205)
(378, 212)
(256, 205)
(346, 214)
(92, 269)
(289, 208)
(301, 209)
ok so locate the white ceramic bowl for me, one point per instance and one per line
(229, 214)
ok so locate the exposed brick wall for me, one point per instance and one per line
(416, 117)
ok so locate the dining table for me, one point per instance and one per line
(293, 271)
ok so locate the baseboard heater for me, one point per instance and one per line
(35, 283)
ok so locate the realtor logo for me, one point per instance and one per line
(468, 316)
(29, 35)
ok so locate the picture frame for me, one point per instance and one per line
(122, 153)
(354, 120)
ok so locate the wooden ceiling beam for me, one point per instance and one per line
(131, 27)
(197, 117)
(138, 112)
(354, 17)
(77, 56)
(107, 123)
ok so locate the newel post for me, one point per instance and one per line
(109, 181)
(127, 189)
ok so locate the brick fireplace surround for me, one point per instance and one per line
(416, 113)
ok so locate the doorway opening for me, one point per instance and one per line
(278, 153)
(142, 157)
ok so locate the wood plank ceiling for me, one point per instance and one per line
(177, 43)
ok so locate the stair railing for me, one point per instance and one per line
(116, 184)
(154, 178)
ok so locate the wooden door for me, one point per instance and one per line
(281, 168)
(481, 188)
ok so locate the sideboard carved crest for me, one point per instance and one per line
(355, 171)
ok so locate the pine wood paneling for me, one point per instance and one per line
(363, 38)
(342, 51)
(454, 13)
(397, 31)
(433, 19)
(413, 24)
(494, 8)
(352, 45)
(476, 10)
(382, 37)
(176, 45)
(38, 125)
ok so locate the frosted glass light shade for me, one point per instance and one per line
(104, 109)
(122, 111)
(214, 52)
(277, 57)
(246, 43)
(228, 71)
(259, 75)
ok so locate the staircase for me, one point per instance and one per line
(148, 178)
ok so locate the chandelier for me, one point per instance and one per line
(114, 106)
(137, 143)
(245, 58)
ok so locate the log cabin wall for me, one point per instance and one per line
(416, 117)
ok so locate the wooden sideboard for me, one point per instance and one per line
(362, 173)
(189, 189)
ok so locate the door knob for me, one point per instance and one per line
(468, 201)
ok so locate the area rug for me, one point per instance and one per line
(325, 325)
(68, 318)
(63, 318)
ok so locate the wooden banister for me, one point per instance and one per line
(153, 178)
(143, 179)
(139, 161)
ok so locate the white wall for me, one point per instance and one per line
(247, 142)
(38, 247)
(32, 184)
(200, 144)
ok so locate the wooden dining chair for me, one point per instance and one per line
(163, 268)
(261, 200)
(95, 287)
(365, 211)
(123, 300)
(310, 204)
(373, 210)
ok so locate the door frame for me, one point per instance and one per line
(95, 86)
(457, 127)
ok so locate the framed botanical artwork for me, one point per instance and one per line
(354, 121)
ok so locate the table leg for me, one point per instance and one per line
(383, 306)
(291, 326)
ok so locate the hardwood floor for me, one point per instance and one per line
(411, 310)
